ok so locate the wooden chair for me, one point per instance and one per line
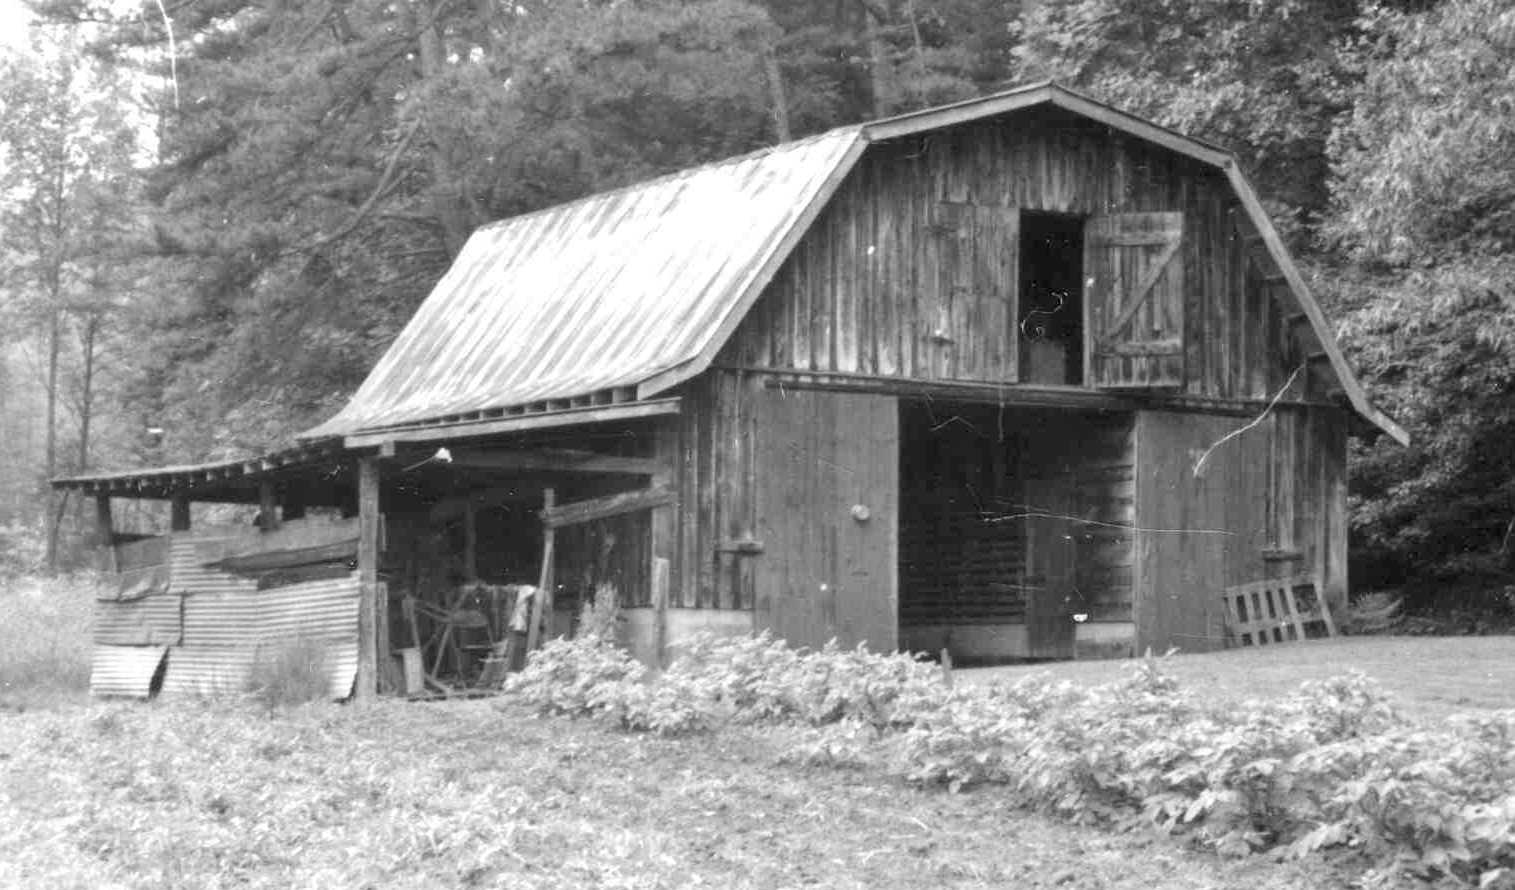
(1265, 613)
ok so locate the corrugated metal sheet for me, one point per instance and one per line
(326, 610)
(124, 670)
(601, 293)
(136, 583)
(221, 622)
(149, 620)
(221, 670)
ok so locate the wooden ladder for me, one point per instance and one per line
(1268, 612)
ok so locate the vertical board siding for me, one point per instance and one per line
(912, 266)
(1270, 503)
(825, 572)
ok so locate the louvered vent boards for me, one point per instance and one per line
(1134, 270)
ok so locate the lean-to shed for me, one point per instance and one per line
(964, 378)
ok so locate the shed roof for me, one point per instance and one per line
(636, 290)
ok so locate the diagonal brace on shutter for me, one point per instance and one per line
(1143, 289)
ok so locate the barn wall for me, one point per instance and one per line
(1268, 503)
(714, 471)
(910, 270)
(759, 465)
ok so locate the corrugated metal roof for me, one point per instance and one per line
(124, 670)
(594, 295)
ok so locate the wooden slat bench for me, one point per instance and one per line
(1269, 612)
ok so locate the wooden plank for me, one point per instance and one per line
(579, 512)
(371, 606)
(104, 534)
(660, 578)
(540, 604)
(521, 423)
(556, 460)
(179, 513)
(264, 561)
(268, 505)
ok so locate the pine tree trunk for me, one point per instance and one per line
(54, 336)
(446, 184)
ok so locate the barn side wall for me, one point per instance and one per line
(1268, 503)
(885, 284)
(767, 480)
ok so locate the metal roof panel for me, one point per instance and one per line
(598, 294)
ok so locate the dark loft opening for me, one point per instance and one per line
(1052, 298)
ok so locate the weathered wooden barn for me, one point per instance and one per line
(966, 378)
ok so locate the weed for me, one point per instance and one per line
(290, 672)
(45, 641)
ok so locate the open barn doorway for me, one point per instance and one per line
(1015, 537)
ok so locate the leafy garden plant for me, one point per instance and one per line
(1331, 767)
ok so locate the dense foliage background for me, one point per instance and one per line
(216, 213)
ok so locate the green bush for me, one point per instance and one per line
(291, 672)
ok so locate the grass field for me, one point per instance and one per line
(468, 794)
(481, 794)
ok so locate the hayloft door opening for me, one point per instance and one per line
(1051, 316)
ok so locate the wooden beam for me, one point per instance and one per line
(580, 512)
(268, 504)
(105, 532)
(268, 560)
(516, 424)
(366, 685)
(178, 508)
(453, 507)
(542, 602)
(660, 580)
(556, 460)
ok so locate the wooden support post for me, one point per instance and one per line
(105, 532)
(368, 577)
(268, 505)
(662, 529)
(660, 567)
(179, 514)
(541, 604)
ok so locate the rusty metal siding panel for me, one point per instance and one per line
(223, 670)
(601, 293)
(147, 621)
(227, 620)
(324, 610)
(124, 670)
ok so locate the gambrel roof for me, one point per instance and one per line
(620, 296)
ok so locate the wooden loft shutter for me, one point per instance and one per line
(1134, 268)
